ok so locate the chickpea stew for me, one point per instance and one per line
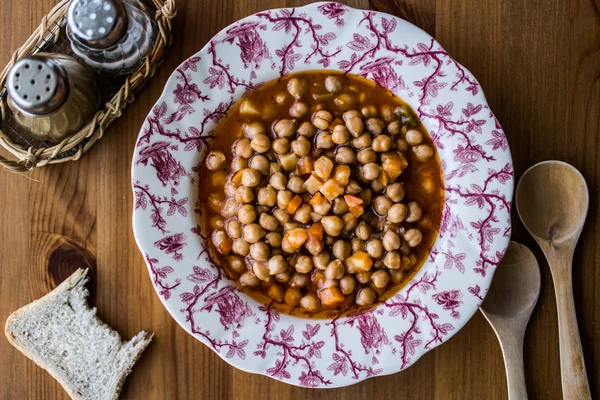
(322, 193)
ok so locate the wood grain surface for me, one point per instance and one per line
(539, 64)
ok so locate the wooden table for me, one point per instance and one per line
(539, 64)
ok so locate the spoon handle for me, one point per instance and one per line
(574, 379)
(512, 351)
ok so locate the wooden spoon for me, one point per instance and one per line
(552, 201)
(508, 306)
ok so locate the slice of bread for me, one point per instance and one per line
(61, 334)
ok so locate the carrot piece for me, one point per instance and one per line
(225, 246)
(294, 204)
(305, 165)
(331, 296)
(358, 262)
(356, 210)
(314, 245)
(352, 201)
(316, 231)
(318, 278)
(383, 178)
(316, 199)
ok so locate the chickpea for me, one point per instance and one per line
(246, 214)
(335, 270)
(284, 277)
(252, 233)
(345, 155)
(369, 111)
(391, 241)
(282, 216)
(238, 164)
(347, 284)
(278, 180)
(260, 143)
(299, 109)
(392, 260)
(341, 249)
(230, 208)
(357, 244)
(237, 264)
(299, 280)
(307, 129)
(340, 135)
(214, 160)
(396, 276)
(218, 236)
(241, 247)
(323, 208)
(261, 270)
(353, 187)
(387, 113)
(340, 207)
(374, 248)
(324, 140)
(332, 225)
(423, 152)
(377, 186)
(261, 164)
(363, 231)
(395, 192)
(321, 260)
(382, 205)
(302, 214)
(401, 144)
(284, 197)
(365, 296)
(323, 167)
(345, 101)
(414, 212)
(260, 251)
(363, 277)
(394, 127)
(366, 195)
(248, 279)
(301, 146)
(297, 87)
(285, 128)
(277, 265)
(413, 237)
(363, 141)
(333, 84)
(281, 145)
(234, 229)
(243, 148)
(268, 222)
(281, 97)
(382, 143)
(397, 213)
(322, 119)
(276, 292)
(414, 137)
(371, 171)
(355, 126)
(350, 222)
(380, 278)
(296, 185)
(366, 156)
(230, 188)
(252, 129)
(216, 222)
(304, 264)
(250, 177)
(310, 302)
(375, 126)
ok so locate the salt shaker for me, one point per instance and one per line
(111, 36)
(52, 95)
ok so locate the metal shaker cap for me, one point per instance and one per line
(37, 85)
(97, 23)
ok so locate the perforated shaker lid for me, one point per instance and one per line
(37, 84)
(97, 23)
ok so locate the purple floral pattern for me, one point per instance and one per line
(475, 227)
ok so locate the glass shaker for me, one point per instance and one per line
(52, 95)
(111, 36)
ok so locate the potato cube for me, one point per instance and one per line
(331, 189)
(358, 262)
(323, 167)
(305, 165)
(394, 165)
(312, 184)
(288, 161)
(295, 237)
(249, 109)
(342, 174)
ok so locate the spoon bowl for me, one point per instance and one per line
(552, 201)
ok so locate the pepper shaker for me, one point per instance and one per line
(111, 36)
(52, 95)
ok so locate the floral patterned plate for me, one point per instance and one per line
(475, 229)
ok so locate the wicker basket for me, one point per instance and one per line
(28, 157)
